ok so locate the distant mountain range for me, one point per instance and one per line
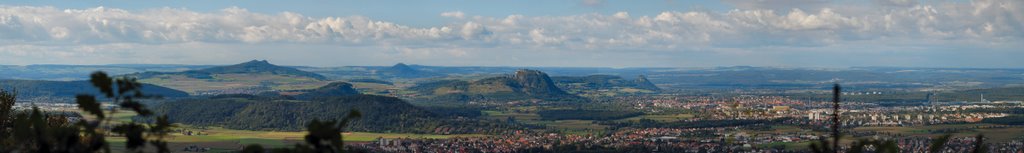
(736, 77)
(65, 91)
(81, 72)
(254, 66)
(246, 78)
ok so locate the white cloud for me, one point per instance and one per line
(592, 3)
(455, 14)
(897, 3)
(778, 4)
(621, 15)
(753, 27)
(472, 30)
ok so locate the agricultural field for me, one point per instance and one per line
(570, 126)
(504, 115)
(221, 139)
(226, 140)
(374, 88)
(660, 117)
(573, 125)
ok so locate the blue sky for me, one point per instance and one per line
(417, 13)
(591, 33)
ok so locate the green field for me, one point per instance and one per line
(792, 146)
(228, 139)
(661, 118)
(581, 127)
(504, 115)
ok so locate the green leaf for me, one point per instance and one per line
(89, 104)
(134, 134)
(103, 82)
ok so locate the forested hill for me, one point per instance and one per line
(536, 83)
(330, 90)
(380, 113)
(524, 84)
(28, 89)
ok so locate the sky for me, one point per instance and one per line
(565, 33)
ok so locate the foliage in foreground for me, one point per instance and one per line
(38, 131)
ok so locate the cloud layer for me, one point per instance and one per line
(28, 33)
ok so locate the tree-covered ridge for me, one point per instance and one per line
(381, 113)
(28, 89)
(536, 83)
(524, 84)
(329, 90)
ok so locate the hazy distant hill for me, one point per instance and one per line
(737, 77)
(254, 66)
(745, 77)
(81, 72)
(523, 84)
(244, 78)
(596, 82)
(922, 97)
(642, 83)
(66, 90)
(257, 66)
(401, 70)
